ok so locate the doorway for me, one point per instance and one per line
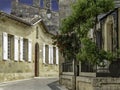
(36, 60)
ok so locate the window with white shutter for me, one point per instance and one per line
(57, 55)
(44, 53)
(29, 50)
(5, 46)
(21, 48)
(16, 52)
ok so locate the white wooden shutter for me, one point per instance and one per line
(16, 52)
(29, 50)
(43, 53)
(21, 48)
(57, 55)
(49, 57)
(5, 46)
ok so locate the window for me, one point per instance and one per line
(46, 54)
(41, 3)
(28, 2)
(10, 46)
(37, 32)
(25, 49)
(16, 48)
(50, 54)
(54, 5)
(54, 55)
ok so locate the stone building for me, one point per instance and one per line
(28, 12)
(26, 49)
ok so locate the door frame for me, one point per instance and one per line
(36, 60)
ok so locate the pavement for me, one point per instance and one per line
(33, 84)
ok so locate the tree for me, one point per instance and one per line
(75, 28)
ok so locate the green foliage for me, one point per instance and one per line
(74, 30)
(90, 53)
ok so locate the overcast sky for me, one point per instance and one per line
(5, 5)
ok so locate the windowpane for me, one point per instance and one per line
(46, 53)
(54, 55)
(10, 46)
(25, 49)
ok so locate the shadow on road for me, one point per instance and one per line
(54, 85)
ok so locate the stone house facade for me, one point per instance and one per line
(26, 49)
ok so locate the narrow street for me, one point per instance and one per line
(33, 84)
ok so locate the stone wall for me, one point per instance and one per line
(97, 83)
(68, 81)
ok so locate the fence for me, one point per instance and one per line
(67, 67)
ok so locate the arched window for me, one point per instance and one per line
(28, 2)
(55, 5)
(37, 33)
(41, 3)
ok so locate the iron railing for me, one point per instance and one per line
(67, 67)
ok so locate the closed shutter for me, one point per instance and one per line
(50, 54)
(5, 46)
(29, 50)
(16, 52)
(21, 48)
(43, 53)
(49, 57)
(57, 55)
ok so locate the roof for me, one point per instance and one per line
(103, 16)
(32, 22)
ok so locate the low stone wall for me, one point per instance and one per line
(97, 83)
(67, 81)
(14, 76)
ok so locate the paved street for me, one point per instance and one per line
(33, 84)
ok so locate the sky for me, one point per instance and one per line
(5, 5)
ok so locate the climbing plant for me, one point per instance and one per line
(73, 39)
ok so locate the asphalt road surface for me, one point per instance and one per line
(33, 84)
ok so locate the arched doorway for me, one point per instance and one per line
(36, 60)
